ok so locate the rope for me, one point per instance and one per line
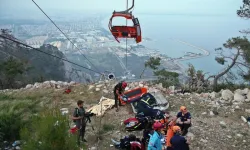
(63, 59)
(64, 35)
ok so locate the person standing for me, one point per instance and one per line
(119, 91)
(80, 121)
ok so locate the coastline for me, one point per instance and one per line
(178, 60)
(173, 60)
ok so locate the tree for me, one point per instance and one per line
(239, 49)
(167, 78)
(238, 55)
(196, 78)
(244, 12)
(41, 67)
(153, 63)
(9, 70)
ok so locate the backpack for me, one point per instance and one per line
(77, 113)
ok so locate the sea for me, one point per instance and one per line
(204, 31)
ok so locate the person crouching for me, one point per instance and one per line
(185, 120)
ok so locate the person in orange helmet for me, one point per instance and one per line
(185, 120)
(178, 142)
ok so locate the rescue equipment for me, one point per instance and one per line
(133, 95)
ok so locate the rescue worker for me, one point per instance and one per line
(79, 119)
(178, 142)
(155, 139)
(185, 120)
(118, 92)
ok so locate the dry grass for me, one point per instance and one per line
(208, 127)
(110, 125)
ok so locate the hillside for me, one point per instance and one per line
(33, 65)
(217, 121)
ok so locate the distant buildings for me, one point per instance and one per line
(36, 41)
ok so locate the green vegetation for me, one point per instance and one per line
(106, 128)
(30, 115)
(239, 58)
(235, 59)
(152, 63)
(48, 130)
(167, 78)
(196, 81)
(20, 66)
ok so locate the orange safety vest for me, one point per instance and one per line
(170, 134)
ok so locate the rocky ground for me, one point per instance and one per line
(219, 119)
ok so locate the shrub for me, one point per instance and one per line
(48, 130)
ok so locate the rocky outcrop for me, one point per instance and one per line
(227, 95)
(46, 84)
(50, 84)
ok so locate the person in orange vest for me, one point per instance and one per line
(185, 120)
(178, 142)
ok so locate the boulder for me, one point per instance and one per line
(245, 91)
(247, 111)
(204, 95)
(171, 89)
(91, 87)
(46, 84)
(243, 119)
(105, 91)
(99, 85)
(29, 86)
(248, 95)
(239, 97)
(141, 85)
(37, 85)
(238, 91)
(214, 95)
(227, 95)
(53, 82)
(72, 83)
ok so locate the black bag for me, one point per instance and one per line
(77, 114)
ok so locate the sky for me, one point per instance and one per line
(213, 7)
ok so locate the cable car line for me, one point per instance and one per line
(48, 54)
(64, 35)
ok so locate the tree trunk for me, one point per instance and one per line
(217, 77)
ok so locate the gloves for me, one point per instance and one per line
(124, 98)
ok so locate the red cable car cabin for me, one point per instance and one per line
(126, 31)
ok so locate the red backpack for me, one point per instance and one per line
(134, 145)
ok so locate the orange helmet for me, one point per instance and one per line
(182, 108)
(176, 128)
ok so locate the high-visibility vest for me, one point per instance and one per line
(146, 101)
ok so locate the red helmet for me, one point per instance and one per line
(157, 125)
(124, 84)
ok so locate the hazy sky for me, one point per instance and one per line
(145, 6)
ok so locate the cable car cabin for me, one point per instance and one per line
(126, 31)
